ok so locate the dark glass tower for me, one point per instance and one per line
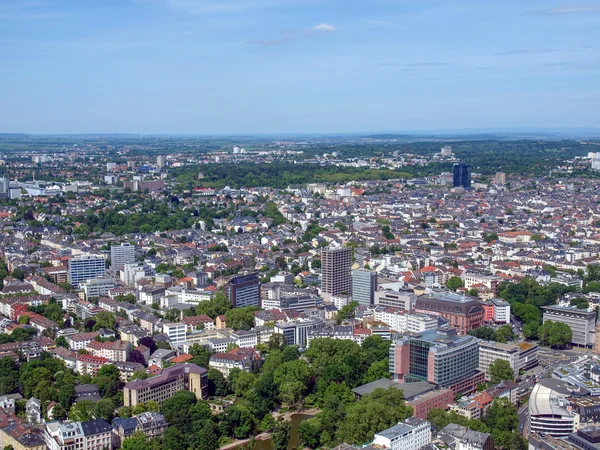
(462, 175)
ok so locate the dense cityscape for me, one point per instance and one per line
(387, 292)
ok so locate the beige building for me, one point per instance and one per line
(171, 380)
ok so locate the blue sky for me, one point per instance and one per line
(277, 66)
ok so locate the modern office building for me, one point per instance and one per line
(171, 380)
(97, 287)
(296, 302)
(335, 272)
(437, 356)
(582, 322)
(461, 175)
(550, 411)
(296, 333)
(490, 351)
(243, 290)
(462, 312)
(398, 299)
(176, 331)
(87, 267)
(412, 434)
(161, 161)
(501, 310)
(121, 255)
(364, 285)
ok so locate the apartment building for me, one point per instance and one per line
(296, 332)
(335, 272)
(121, 255)
(114, 351)
(171, 380)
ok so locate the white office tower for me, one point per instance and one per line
(87, 267)
(121, 255)
(161, 161)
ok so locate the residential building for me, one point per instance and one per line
(92, 435)
(19, 436)
(412, 434)
(461, 438)
(89, 364)
(245, 360)
(86, 267)
(121, 255)
(243, 290)
(97, 434)
(114, 351)
(78, 341)
(581, 322)
(439, 357)
(335, 272)
(364, 285)
(171, 380)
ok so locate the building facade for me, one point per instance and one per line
(461, 175)
(581, 322)
(335, 272)
(364, 285)
(462, 312)
(87, 267)
(243, 290)
(439, 357)
(412, 434)
(121, 255)
(171, 380)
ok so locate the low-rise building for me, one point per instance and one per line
(167, 383)
(412, 434)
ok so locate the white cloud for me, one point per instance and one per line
(324, 28)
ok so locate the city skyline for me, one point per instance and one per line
(260, 66)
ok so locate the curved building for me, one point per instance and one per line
(550, 410)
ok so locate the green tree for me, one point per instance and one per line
(83, 411)
(372, 413)
(104, 409)
(137, 441)
(241, 318)
(281, 436)
(208, 436)
(104, 319)
(454, 283)
(377, 370)
(504, 334)
(500, 370)
(18, 274)
(217, 384)
(177, 410)
(346, 312)
(560, 335)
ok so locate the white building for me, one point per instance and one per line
(412, 434)
(132, 272)
(501, 310)
(86, 267)
(121, 255)
(417, 323)
(97, 287)
(175, 331)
